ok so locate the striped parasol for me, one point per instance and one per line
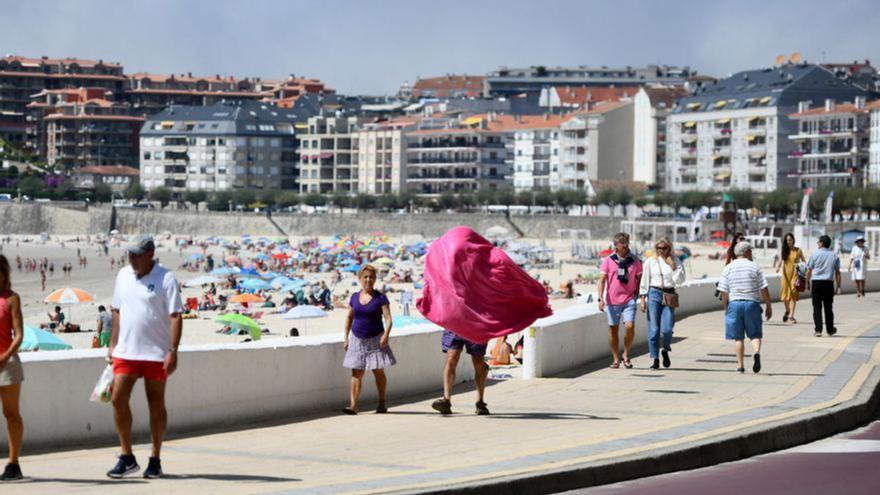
(69, 295)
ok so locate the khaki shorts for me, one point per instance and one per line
(11, 373)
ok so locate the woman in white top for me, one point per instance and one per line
(661, 274)
(857, 259)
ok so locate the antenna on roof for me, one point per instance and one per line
(795, 57)
(780, 59)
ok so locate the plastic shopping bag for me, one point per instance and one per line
(104, 388)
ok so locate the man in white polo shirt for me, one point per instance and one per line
(147, 326)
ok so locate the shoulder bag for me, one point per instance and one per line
(670, 299)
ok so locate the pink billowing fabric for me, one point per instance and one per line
(473, 289)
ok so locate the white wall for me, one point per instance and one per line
(220, 386)
(577, 336)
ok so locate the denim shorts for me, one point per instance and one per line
(453, 341)
(626, 310)
(743, 319)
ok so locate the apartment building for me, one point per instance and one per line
(733, 134)
(832, 144)
(381, 163)
(226, 146)
(448, 86)
(535, 144)
(21, 77)
(596, 144)
(570, 98)
(117, 177)
(512, 81)
(329, 155)
(79, 127)
(651, 106)
(874, 138)
(448, 154)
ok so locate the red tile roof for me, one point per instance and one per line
(577, 96)
(838, 108)
(446, 86)
(108, 170)
(66, 61)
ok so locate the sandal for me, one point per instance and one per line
(793, 321)
(482, 410)
(785, 317)
(615, 365)
(381, 409)
(627, 364)
(349, 411)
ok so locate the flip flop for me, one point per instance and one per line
(615, 365)
(627, 364)
(349, 411)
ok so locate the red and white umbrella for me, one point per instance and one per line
(69, 295)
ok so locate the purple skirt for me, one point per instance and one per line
(367, 354)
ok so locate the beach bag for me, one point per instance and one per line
(800, 284)
(104, 387)
(669, 299)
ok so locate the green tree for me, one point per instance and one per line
(244, 197)
(341, 199)
(32, 186)
(220, 201)
(365, 201)
(447, 200)
(525, 198)
(780, 202)
(195, 197)
(314, 199)
(744, 198)
(288, 198)
(102, 193)
(134, 191)
(486, 197)
(162, 195)
(268, 197)
(467, 200)
(505, 197)
(545, 198)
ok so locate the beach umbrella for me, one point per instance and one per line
(37, 339)
(496, 231)
(69, 295)
(384, 261)
(724, 244)
(352, 268)
(269, 275)
(305, 312)
(196, 256)
(293, 286)
(241, 322)
(255, 284)
(280, 256)
(279, 281)
(262, 256)
(223, 270)
(203, 280)
(246, 298)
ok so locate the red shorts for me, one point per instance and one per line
(150, 370)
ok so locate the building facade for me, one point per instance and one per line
(381, 163)
(651, 106)
(733, 134)
(117, 177)
(832, 144)
(329, 155)
(227, 146)
(513, 81)
(535, 143)
(874, 136)
(21, 77)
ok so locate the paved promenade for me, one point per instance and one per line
(597, 416)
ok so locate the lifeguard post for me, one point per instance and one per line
(729, 217)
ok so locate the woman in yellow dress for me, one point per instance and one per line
(788, 261)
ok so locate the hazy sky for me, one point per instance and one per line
(371, 47)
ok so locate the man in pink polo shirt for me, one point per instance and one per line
(620, 274)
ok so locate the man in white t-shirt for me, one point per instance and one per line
(147, 326)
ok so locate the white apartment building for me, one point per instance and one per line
(381, 163)
(874, 154)
(329, 155)
(597, 144)
(651, 107)
(832, 144)
(229, 145)
(733, 134)
(535, 145)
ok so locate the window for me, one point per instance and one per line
(146, 155)
(250, 127)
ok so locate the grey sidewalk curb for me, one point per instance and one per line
(778, 435)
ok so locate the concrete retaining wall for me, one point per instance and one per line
(219, 386)
(577, 336)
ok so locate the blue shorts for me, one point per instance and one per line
(616, 311)
(743, 319)
(452, 341)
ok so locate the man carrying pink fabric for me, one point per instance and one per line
(619, 279)
(476, 293)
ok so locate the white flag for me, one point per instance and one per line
(829, 204)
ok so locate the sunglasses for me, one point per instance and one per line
(662, 248)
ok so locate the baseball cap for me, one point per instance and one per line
(141, 244)
(741, 248)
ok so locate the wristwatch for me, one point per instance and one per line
(172, 349)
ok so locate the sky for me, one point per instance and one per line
(371, 47)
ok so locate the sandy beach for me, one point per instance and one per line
(98, 279)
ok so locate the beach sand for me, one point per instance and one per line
(98, 279)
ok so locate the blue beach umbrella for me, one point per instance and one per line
(255, 284)
(37, 339)
(223, 270)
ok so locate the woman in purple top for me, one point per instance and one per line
(366, 339)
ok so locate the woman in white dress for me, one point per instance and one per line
(857, 259)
